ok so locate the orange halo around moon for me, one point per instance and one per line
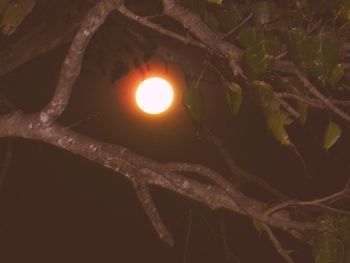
(127, 86)
(154, 95)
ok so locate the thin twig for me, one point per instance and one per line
(232, 31)
(199, 77)
(311, 102)
(321, 97)
(283, 252)
(316, 103)
(146, 22)
(6, 164)
(228, 253)
(238, 173)
(82, 121)
(320, 202)
(5, 102)
(188, 235)
(287, 107)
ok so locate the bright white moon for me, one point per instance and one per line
(154, 95)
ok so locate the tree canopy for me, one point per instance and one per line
(262, 86)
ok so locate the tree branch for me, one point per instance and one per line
(143, 172)
(284, 253)
(147, 23)
(239, 174)
(126, 163)
(311, 102)
(214, 42)
(5, 166)
(320, 202)
(40, 40)
(321, 97)
(72, 64)
(142, 191)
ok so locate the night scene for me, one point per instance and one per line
(178, 131)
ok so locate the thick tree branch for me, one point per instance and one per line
(72, 64)
(143, 193)
(232, 53)
(125, 162)
(147, 23)
(193, 23)
(143, 172)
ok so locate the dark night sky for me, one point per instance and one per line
(57, 207)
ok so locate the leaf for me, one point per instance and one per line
(295, 37)
(228, 17)
(342, 226)
(258, 226)
(192, 99)
(332, 134)
(345, 3)
(248, 36)
(276, 118)
(260, 57)
(328, 248)
(217, 2)
(212, 21)
(276, 123)
(321, 54)
(14, 14)
(320, 6)
(264, 12)
(3, 5)
(336, 75)
(303, 111)
(234, 97)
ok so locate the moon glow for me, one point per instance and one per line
(154, 95)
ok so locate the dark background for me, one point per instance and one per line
(58, 207)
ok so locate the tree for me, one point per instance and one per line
(285, 61)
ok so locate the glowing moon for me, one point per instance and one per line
(154, 95)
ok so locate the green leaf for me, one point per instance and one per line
(228, 17)
(192, 99)
(295, 37)
(332, 134)
(276, 118)
(264, 12)
(345, 3)
(303, 111)
(14, 14)
(260, 57)
(217, 2)
(342, 226)
(234, 97)
(248, 36)
(328, 248)
(3, 5)
(258, 226)
(276, 123)
(321, 54)
(212, 21)
(336, 74)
